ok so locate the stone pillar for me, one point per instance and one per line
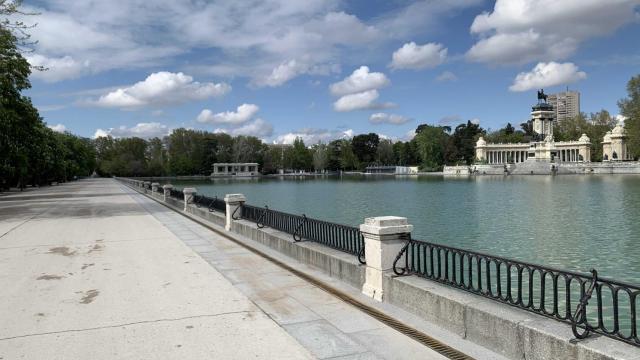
(166, 189)
(233, 201)
(154, 187)
(146, 185)
(383, 241)
(188, 195)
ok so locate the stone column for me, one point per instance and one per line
(233, 201)
(166, 189)
(146, 185)
(383, 241)
(154, 187)
(188, 195)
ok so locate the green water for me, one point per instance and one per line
(569, 222)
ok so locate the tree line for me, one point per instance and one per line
(30, 152)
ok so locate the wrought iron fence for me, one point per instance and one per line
(176, 194)
(587, 302)
(212, 204)
(337, 236)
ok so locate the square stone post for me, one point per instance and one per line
(234, 202)
(188, 195)
(146, 186)
(384, 238)
(154, 187)
(166, 189)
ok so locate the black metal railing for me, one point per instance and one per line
(176, 194)
(212, 204)
(337, 236)
(589, 303)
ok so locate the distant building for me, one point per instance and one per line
(391, 169)
(566, 105)
(614, 145)
(235, 169)
(542, 148)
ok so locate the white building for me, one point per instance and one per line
(235, 169)
(614, 147)
(542, 148)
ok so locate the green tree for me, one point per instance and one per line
(431, 142)
(463, 142)
(630, 108)
(385, 154)
(320, 157)
(365, 147)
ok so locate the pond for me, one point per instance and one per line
(570, 222)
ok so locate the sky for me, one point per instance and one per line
(321, 69)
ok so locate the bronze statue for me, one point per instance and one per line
(542, 95)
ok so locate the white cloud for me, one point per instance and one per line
(161, 88)
(359, 91)
(384, 118)
(475, 121)
(446, 76)
(58, 128)
(360, 80)
(547, 75)
(410, 135)
(141, 130)
(312, 136)
(258, 128)
(57, 69)
(522, 31)
(413, 56)
(360, 101)
(242, 114)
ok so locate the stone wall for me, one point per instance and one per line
(511, 332)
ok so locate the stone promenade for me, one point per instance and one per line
(93, 270)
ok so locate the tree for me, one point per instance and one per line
(385, 154)
(630, 108)
(365, 147)
(301, 158)
(320, 157)
(348, 159)
(463, 142)
(430, 143)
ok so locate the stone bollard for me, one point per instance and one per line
(234, 201)
(146, 186)
(166, 189)
(188, 195)
(384, 238)
(154, 187)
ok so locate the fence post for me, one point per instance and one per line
(166, 189)
(154, 187)
(233, 201)
(188, 195)
(384, 238)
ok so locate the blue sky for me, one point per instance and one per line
(322, 69)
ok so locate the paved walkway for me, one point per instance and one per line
(93, 270)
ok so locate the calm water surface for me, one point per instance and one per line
(570, 222)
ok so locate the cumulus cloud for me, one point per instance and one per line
(141, 130)
(359, 90)
(161, 88)
(58, 128)
(312, 136)
(242, 114)
(413, 56)
(521, 31)
(446, 76)
(360, 101)
(546, 75)
(359, 81)
(384, 118)
(258, 128)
